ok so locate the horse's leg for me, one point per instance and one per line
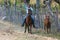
(25, 28)
(46, 29)
(49, 30)
(31, 29)
(28, 29)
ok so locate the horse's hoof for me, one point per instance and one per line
(30, 33)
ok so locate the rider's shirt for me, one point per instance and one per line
(28, 8)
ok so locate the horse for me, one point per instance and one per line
(47, 24)
(28, 22)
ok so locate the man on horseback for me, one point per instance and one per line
(28, 8)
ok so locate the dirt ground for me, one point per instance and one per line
(9, 31)
(22, 36)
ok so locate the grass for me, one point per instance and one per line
(53, 34)
(42, 33)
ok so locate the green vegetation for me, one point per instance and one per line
(53, 34)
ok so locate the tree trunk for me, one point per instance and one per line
(15, 6)
(48, 3)
(56, 22)
(9, 10)
(37, 10)
(7, 7)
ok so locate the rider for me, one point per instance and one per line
(29, 7)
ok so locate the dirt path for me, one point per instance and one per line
(59, 16)
(22, 36)
(9, 31)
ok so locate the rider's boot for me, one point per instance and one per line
(33, 22)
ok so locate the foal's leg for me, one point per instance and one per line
(46, 30)
(49, 29)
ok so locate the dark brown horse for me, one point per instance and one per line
(47, 24)
(28, 22)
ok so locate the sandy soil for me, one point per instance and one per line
(7, 33)
(22, 36)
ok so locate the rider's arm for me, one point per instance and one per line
(31, 8)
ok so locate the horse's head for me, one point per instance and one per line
(29, 12)
(47, 16)
(47, 24)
